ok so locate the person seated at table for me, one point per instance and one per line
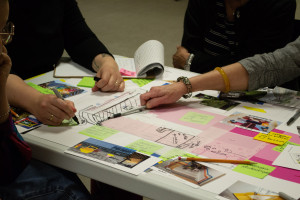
(47, 28)
(221, 32)
(41, 38)
(21, 177)
(264, 70)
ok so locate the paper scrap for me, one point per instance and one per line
(144, 146)
(198, 118)
(141, 82)
(175, 152)
(272, 137)
(40, 89)
(98, 132)
(86, 82)
(257, 170)
(255, 109)
(280, 148)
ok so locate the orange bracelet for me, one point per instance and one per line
(225, 78)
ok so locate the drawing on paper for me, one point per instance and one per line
(96, 114)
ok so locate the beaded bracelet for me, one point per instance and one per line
(225, 78)
(188, 85)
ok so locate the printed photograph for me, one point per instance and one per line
(215, 102)
(190, 171)
(250, 122)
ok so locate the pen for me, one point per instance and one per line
(295, 116)
(139, 109)
(59, 96)
(285, 196)
(14, 113)
(216, 160)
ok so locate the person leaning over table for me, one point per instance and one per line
(21, 177)
(264, 70)
(221, 32)
(44, 29)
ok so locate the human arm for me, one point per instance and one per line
(236, 73)
(275, 68)
(86, 49)
(5, 65)
(108, 70)
(47, 108)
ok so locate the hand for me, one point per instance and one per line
(163, 95)
(111, 79)
(180, 57)
(5, 65)
(51, 110)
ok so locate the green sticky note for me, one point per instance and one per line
(40, 89)
(87, 82)
(175, 153)
(144, 146)
(141, 82)
(198, 118)
(280, 148)
(67, 122)
(257, 170)
(98, 132)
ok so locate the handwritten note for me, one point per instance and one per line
(256, 170)
(144, 146)
(98, 132)
(198, 118)
(280, 148)
(272, 137)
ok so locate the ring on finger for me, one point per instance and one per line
(51, 117)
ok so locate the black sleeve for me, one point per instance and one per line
(80, 42)
(271, 28)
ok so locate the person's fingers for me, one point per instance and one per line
(63, 108)
(121, 87)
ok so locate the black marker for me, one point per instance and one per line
(295, 116)
(58, 95)
(135, 110)
(96, 78)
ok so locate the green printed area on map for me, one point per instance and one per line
(144, 146)
(98, 132)
(197, 118)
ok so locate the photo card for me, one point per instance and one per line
(250, 122)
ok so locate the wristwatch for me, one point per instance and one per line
(188, 62)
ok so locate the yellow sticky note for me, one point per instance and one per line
(272, 137)
(255, 109)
